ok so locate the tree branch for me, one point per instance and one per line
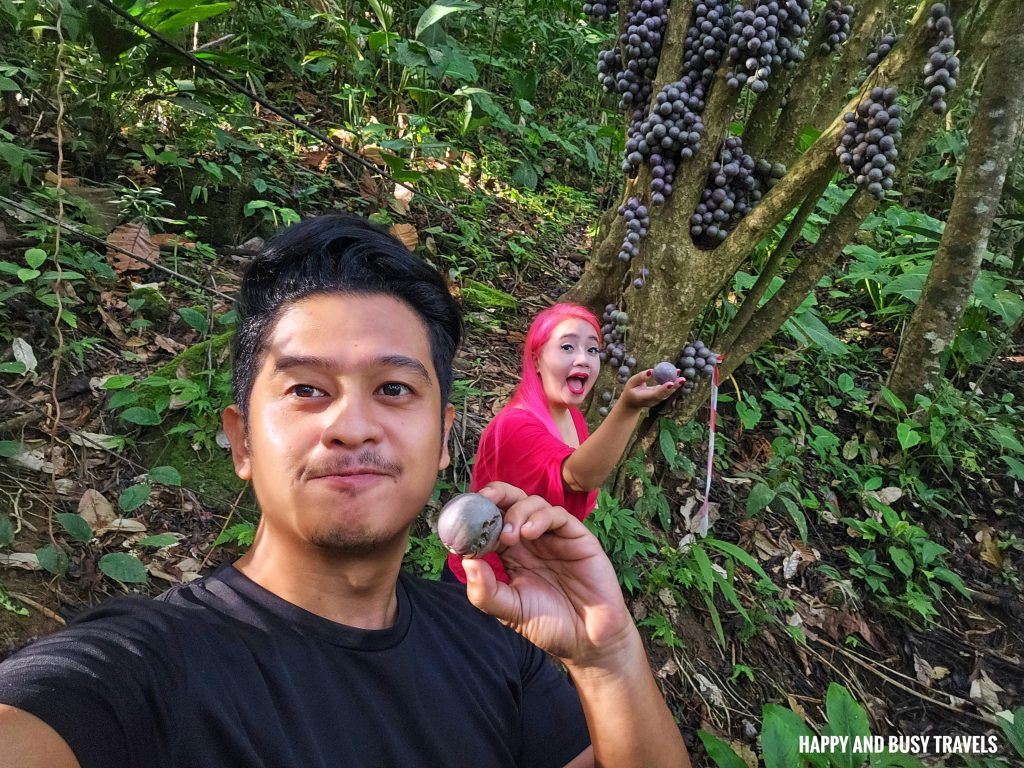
(782, 250)
(815, 263)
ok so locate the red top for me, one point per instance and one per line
(517, 448)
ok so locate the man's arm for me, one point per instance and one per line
(28, 742)
(564, 597)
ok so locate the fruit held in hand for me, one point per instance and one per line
(665, 372)
(469, 525)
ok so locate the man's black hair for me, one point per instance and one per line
(338, 253)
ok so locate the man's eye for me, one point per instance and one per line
(307, 390)
(395, 389)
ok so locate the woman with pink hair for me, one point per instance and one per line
(539, 441)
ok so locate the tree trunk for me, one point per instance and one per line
(936, 319)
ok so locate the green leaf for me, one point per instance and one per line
(122, 398)
(14, 366)
(797, 514)
(720, 752)
(704, 566)
(6, 531)
(194, 318)
(525, 175)
(76, 526)
(159, 540)
(739, 554)
(894, 402)
(845, 382)
(139, 415)
(1015, 467)
(749, 412)
(951, 578)
(845, 718)
(28, 274)
(1013, 727)
(1006, 438)
(118, 381)
(190, 16)
(760, 497)
(807, 327)
(439, 10)
(53, 559)
(667, 443)
(123, 567)
(243, 533)
(9, 448)
(165, 475)
(907, 434)
(35, 257)
(903, 560)
(134, 496)
(778, 741)
(6, 84)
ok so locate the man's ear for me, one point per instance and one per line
(449, 419)
(234, 428)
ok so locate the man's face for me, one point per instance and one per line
(344, 436)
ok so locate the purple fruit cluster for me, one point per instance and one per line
(696, 360)
(836, 17)
(942, 67)
(766, 36)
(637, 220)
(868, 145)
(730, 193)
(600, 10)
(671, 131)
(613, 331)
(882, 49)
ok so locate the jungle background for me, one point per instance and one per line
(861, 569)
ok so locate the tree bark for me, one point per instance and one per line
(936, 319)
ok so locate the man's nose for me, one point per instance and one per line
(351, 421)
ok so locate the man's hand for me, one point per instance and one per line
(563, 596)
(562, 593)
(636, 393)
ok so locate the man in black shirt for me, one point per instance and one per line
(313, 649)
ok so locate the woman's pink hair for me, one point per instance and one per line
(530, 392)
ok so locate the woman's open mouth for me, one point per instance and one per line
(577, 383)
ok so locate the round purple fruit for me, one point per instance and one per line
(665, 372)
(469, 525)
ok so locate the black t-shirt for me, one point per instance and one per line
(221, 672)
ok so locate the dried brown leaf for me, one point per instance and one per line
(95, 509)
(989, 550)
(407, 234)
(402, 197)
(135, 239)
(368, 187)
(115, 327)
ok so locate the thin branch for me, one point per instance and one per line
(815, 263)
(782, 250)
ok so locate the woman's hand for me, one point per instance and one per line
(638, 394)
(562, 593)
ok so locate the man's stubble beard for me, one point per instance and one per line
(361, 542)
